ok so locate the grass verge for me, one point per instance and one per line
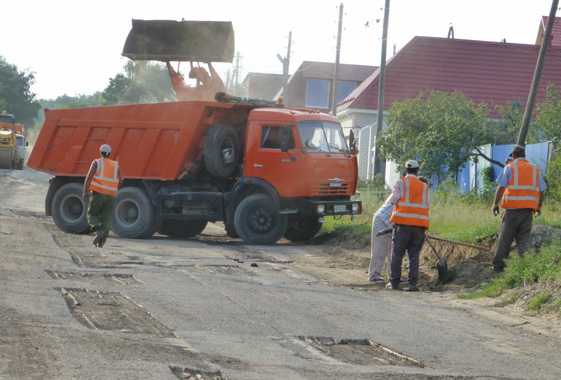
(537, 278)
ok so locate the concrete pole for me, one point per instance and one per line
(537, 75)
(337, 55)
(381, 87)
(285, 65)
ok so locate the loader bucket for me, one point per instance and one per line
(166, 40)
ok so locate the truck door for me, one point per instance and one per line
(265, 160)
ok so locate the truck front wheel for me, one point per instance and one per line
(182, 229)
(134, 216)
(69, 210)
(302, 228)
(258, 221)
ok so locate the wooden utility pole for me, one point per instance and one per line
(537, 75)
(337, 55)
(381, 89)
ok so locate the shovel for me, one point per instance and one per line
(384, 231)
(441, 265)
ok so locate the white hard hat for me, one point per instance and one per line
(105, 149)
(411, 164)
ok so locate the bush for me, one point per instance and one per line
(552, 178)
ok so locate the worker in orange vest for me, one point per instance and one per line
(103, 179)
(521, 188)
(410, 217)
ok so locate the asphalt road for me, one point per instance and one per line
(216, 308)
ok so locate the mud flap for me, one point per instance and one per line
(166, 40)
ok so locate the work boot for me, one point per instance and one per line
(98, 237)
(102, 241)
(391, 286)
(413, 288)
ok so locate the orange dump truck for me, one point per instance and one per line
(265, 171)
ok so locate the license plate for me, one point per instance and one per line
(339, 208)
(335, 184)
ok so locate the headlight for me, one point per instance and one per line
(320, 209)
(356, 208)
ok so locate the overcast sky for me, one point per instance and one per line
(74, 47)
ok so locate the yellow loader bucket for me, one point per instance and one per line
(166, 40)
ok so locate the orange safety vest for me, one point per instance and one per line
(413, 207)
(523, 190)
(106, 177)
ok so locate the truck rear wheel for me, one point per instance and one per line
(221, 150)
(302, 228)
(258, 221)
(134, 216)
(181, 228)
(69, 210)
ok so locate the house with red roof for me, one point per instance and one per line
(496, 73)
(555, 32)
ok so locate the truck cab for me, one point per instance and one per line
(20, 149)
(301, 159)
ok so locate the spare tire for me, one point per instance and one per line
(221, 150)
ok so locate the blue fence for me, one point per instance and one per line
(537, 154)
(470, 174)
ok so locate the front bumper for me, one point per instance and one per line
(328, 208)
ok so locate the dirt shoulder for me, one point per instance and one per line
(344, 263)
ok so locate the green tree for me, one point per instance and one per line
(142, 82)
(438, 129)
(506, 131)
(15, 93)
(548, 116)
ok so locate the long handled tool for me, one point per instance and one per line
(441, 265)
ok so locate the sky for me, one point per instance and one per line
(74, 47)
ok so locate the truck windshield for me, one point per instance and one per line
(322, 137)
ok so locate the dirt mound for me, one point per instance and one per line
(469, 268)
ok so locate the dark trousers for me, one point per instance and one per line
(410, 239)
(100, 212)
(516, 224)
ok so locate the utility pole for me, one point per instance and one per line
(285, 65)
(337, 55)
(236, 76)
(537, 75)
(381, 88)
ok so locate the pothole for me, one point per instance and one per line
(112, 311)
(96, 277)
(194, 374)
(359, 352)
(222, 269)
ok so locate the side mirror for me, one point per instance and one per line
(352, 141)
(285, 137)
